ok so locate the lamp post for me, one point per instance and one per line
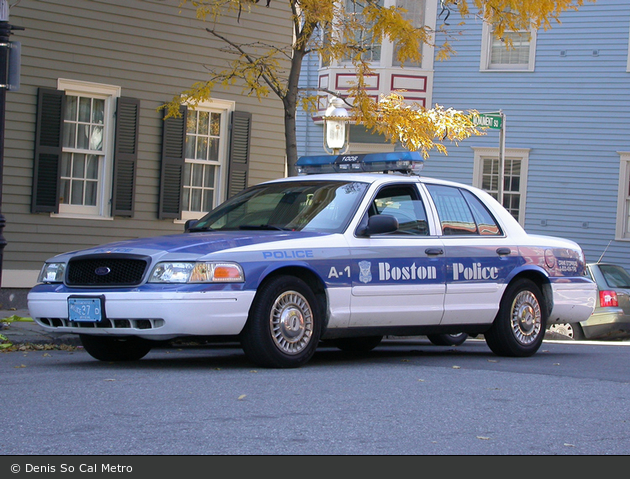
(336, 130)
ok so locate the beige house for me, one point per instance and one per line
(88, 157)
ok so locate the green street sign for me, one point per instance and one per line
(489, 120)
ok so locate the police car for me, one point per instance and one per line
(338, 254)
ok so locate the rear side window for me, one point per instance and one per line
(462, 213)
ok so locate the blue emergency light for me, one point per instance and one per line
(406, 162)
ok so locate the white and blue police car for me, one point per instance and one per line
(338, 254)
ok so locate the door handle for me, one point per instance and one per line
(503, 251)
(434, 251)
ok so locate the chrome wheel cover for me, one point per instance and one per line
(291, 322)
(526, 317)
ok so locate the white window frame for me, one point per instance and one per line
(487, 39)
(622, 230)
(109, 93)
(225, 108)
(386, 59)
(522, 154)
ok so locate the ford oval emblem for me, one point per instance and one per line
(102, 270)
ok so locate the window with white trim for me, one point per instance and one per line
(486, 176)
(513, 51)
(87, 148)
(205, 158)
(623, 201)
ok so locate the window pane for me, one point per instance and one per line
(82, 137)
(98, 111)
(209, 177)
(66, 168)
(96, 138)
(92, 167)
(85, 108)
(202, 148)
(453, 210)
(208, 199)
(71, 108)
(78, 166)
(64, 192)
(90, 193)
(69, 135)
(197, 175)
(195, 199)
(187, 171)
(204, 121)
(77, 193)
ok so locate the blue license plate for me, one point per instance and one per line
(82, 309)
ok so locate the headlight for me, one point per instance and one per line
(52, 273)
(176, 272)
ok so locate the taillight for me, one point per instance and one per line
(608, 298)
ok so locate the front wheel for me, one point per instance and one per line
(106, 348)
(284, 324)
(519, 328)
(448, 339)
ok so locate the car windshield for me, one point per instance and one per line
(315, 205)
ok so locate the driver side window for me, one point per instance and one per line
(402, 202)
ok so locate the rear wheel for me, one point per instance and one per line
(284, 324)
(106, 348)
(519, 328)
(358, 345)
(448, 339)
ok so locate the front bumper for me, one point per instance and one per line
(150, 315)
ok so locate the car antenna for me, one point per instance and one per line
(605, 249)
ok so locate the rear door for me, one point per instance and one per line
(479, 257)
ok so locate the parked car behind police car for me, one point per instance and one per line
(339, 257)
(611, 318)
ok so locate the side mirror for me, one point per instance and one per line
(189, 224)
(379, 224)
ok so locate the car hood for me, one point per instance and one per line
(190, 244)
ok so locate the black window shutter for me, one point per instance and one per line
(47, 162)
(125, 156)
(173, 157)
(238, 166)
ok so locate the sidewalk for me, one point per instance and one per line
(21, 329)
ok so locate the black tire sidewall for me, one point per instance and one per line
(256, 339)
(106, 348)
(500, 337)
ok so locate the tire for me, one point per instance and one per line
(578, 332)
(570, 330)
(448, 339)
(358, 345)
(284, 324)
(106, 348)
(519, 328)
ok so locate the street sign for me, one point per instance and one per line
(489, 120)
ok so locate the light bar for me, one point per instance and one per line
(407, 162)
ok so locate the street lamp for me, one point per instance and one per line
(336, 131)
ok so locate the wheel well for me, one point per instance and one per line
(312, 280)
(543, 284)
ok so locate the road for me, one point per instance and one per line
(407, 397)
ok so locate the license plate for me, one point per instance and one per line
(82, 309)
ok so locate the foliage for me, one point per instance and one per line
(328, 29)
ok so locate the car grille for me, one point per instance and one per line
(106, 270)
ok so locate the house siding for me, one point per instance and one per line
(572, 111)
(153, 50)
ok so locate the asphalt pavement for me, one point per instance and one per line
(18, 327)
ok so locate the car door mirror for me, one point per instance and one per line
(379, 224)
(189, 224)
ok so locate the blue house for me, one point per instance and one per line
(565, 97)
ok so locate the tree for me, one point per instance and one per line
(328, 28)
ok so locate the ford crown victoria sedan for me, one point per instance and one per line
(338, 255)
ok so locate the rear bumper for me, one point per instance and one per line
(607, 323)
(573, 302)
